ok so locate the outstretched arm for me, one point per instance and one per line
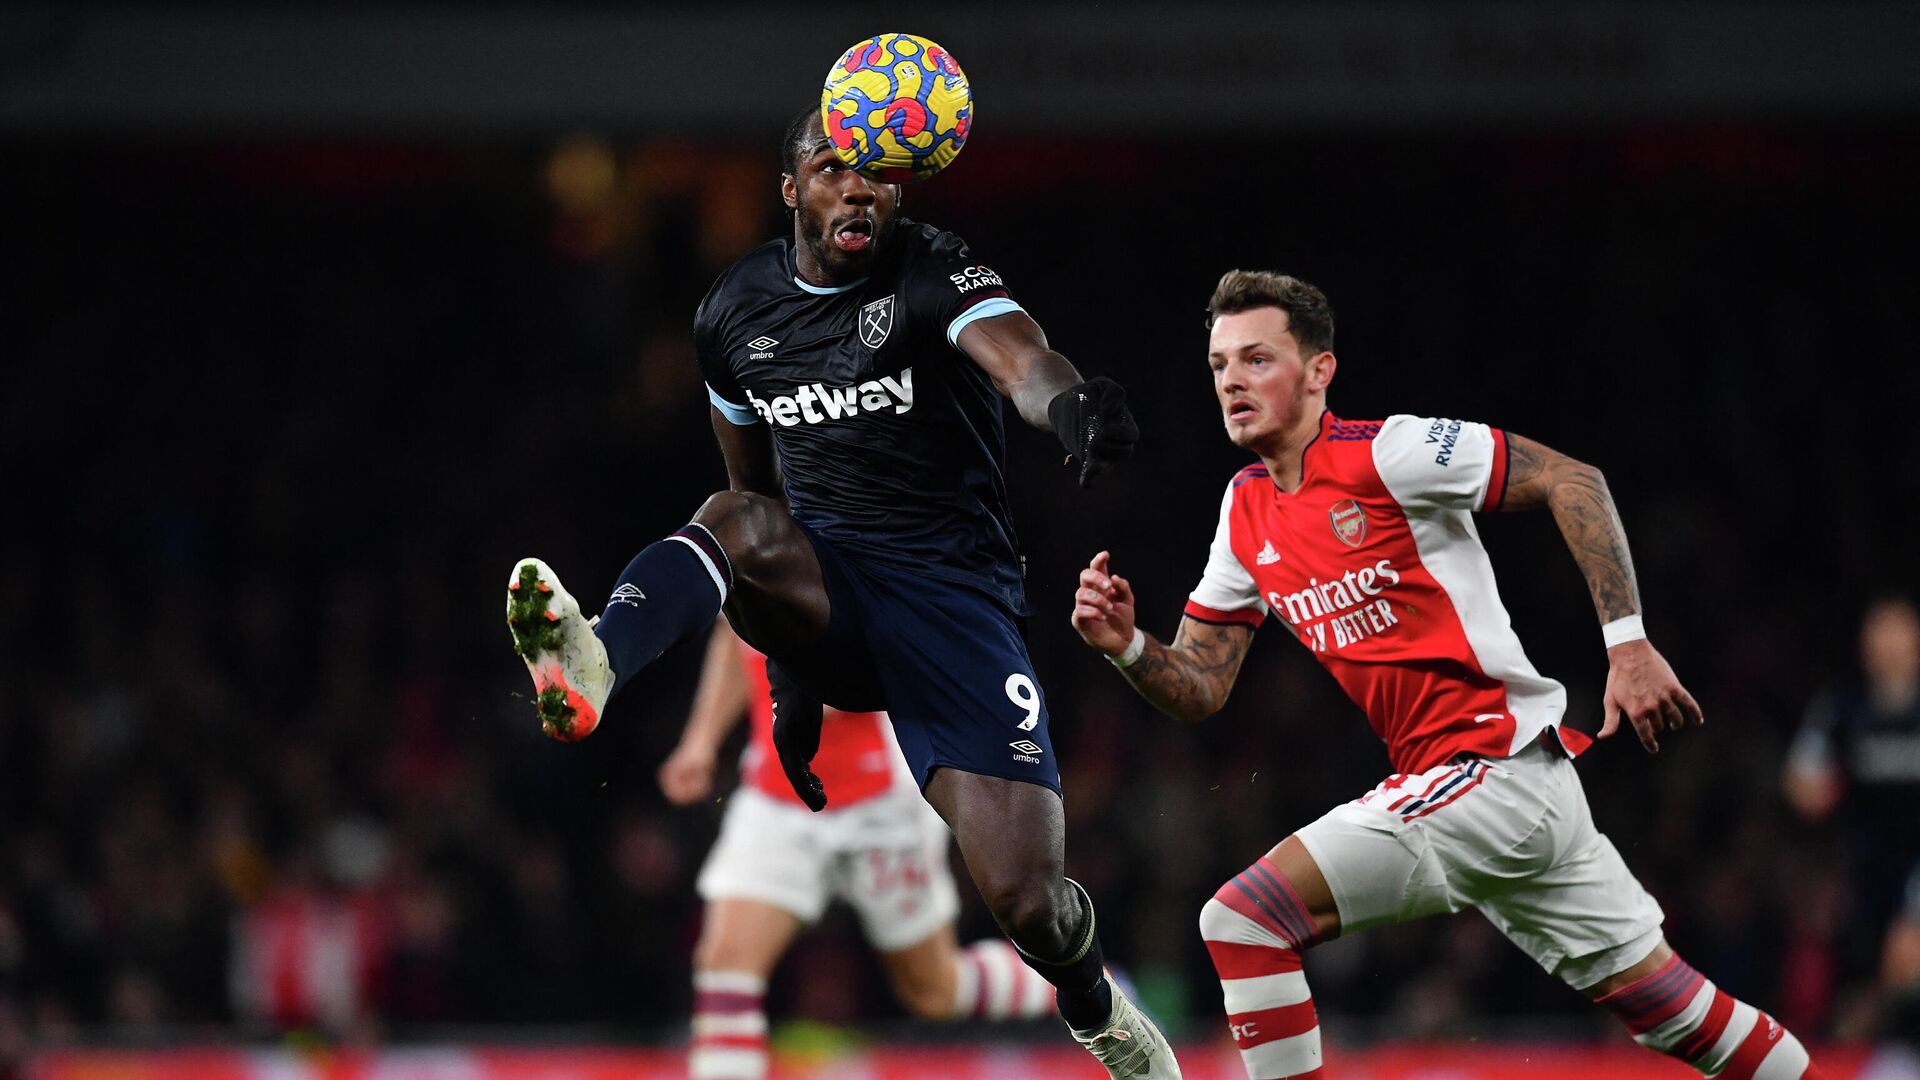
(1090, 416)
(1639, 681)
(718, 704)
(1013, 350)
(1188, 680)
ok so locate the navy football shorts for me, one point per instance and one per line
(945, 660)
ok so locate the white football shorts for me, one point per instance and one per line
(1512, 837)
(885, 856)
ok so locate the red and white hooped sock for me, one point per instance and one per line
(1680, 1013)
(1255, 928)
(729, 1026)
(991, 982)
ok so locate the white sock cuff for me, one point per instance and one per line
(729, 982)
(706, 561)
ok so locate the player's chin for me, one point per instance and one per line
(851, 262)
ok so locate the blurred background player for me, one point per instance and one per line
(776, 865)
(1897, 1056)
(1856, 763)
(855, 370)
(1360, 534)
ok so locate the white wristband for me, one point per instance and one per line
(1133, 650)
(1621, 631)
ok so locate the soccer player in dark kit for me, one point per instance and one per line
(874, 559)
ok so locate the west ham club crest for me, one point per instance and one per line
(1349, 522)
(876, 322)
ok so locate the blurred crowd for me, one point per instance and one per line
(278, 419)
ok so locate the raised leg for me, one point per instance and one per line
(740, 551)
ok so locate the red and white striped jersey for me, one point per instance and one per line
(1375, 564)
(858, 758)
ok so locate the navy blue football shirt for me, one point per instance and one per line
(890, 438)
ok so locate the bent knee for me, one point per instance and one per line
(751, 528)
(1038, 919)
(1255, 912)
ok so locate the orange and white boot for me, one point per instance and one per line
(571, 675)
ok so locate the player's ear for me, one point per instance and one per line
(1320, 371)
(789, 191)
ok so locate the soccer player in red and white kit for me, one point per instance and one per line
(878, 846)
(1360, 535)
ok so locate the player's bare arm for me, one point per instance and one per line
(1577, 494)
(1090, 416)
(1189, 679)
(752, 466)
(686, 776)
(1639, 681)
(1013, 350)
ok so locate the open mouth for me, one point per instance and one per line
(855, 235)
(1240, 410)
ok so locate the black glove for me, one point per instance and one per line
(797, 716)
(1094, 425)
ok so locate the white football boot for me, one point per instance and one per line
(571, 676)
(1129, 1044)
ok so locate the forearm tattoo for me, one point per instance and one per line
(1190, 679)
(1584, 510)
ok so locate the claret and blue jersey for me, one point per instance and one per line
(890, 439)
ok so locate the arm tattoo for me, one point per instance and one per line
(1524, 466)
(1584, 510)
(1189, 680)
(1582, 506)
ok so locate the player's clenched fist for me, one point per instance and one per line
(686, 777)
(1094, 424)
(1103, 607)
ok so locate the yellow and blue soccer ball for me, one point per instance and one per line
(897, 107)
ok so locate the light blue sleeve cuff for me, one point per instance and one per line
(985, 309)
(739, 415)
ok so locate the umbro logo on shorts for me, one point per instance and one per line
(626, 594)
(762, 342)
(1027, 750)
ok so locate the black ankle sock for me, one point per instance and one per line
(669, 591)
(1084, 998)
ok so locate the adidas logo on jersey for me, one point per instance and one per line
(1268, 556)
(626, 594)
(818, 403)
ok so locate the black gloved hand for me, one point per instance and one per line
(1094, 425)
(797, 717)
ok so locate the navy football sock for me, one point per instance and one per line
(669, 591)
(1082, 995)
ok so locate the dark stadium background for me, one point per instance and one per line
(291, 379)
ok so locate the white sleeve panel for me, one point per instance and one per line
(1226, 585)
(1430, 463)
